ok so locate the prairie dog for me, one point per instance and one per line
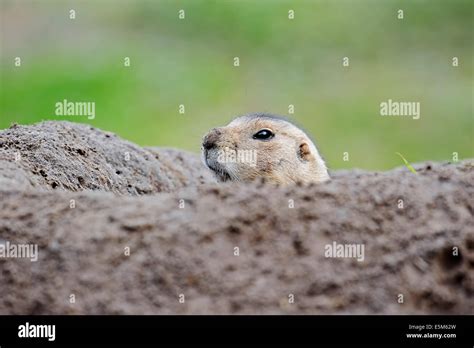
(263, 145)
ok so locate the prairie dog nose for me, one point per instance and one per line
(211, 138)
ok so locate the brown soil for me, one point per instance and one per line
(137, 203)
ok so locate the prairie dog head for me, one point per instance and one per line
(262, 145)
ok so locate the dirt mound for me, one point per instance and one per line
(77, 157)
(212, 248)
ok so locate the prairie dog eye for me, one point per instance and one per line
(264, 134)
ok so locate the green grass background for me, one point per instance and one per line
(282, 62)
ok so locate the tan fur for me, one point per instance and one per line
(289, 157)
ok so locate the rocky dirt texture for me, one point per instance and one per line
(182, 230)
(77, 157)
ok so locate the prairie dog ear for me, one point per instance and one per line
(304, 152)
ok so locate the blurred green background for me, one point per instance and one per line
(282, 62)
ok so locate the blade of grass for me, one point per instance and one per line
(407, 164)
